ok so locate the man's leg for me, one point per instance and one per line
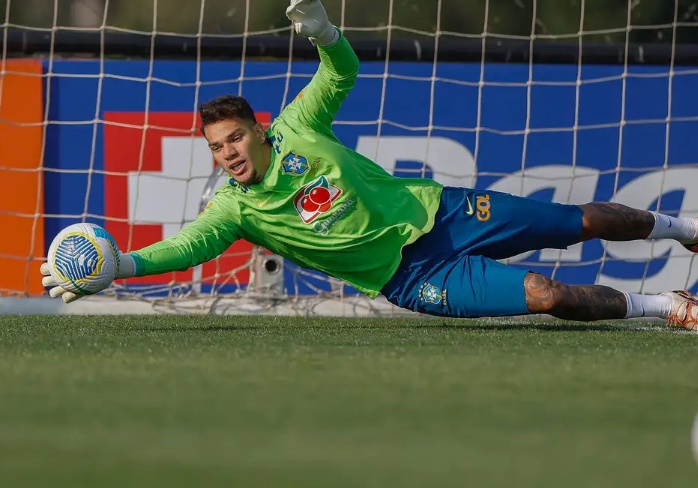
(476, 286)
(468, 281)
(596, 302)
(616, 222)
(515, 225)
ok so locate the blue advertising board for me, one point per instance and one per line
(595, 133)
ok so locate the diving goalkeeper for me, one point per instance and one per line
(296, 190)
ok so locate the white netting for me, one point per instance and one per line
(552, 100)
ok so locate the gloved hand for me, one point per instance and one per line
(55, 290)
(310, 20)
(126, 270)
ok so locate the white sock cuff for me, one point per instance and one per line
(628, 304)
(681, 229)
(656, 228)
(648, 305)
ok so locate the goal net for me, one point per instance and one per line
(561, 101)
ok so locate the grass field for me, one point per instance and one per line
(247, 401)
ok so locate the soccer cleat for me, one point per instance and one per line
(684, 310)
(691, 246)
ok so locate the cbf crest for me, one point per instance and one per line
(295, 164)
(432, 294)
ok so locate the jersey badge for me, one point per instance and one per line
(315, 199)
(294, 164)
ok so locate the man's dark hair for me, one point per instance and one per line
(225, 107)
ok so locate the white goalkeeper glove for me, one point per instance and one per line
(310, 20)
(126, 270)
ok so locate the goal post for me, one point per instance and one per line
(556, 116)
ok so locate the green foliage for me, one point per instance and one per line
(602, 20)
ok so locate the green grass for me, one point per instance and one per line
(260, 402)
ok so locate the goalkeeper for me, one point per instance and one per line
(296, 190)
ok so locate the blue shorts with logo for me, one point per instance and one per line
(452, 270)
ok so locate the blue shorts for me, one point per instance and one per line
(452, 270)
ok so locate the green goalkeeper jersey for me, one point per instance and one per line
(320, 204)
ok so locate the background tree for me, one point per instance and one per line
(603, 20)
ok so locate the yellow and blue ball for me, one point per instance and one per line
(83, 258)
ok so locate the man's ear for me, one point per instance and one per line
(261, 133)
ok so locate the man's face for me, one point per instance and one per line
(238, 147)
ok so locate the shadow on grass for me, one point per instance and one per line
(428, 325)
(551, 327)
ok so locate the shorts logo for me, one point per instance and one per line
(470, 210)
(482, 204)
(315, 198)
(432, 294)
(294, 164)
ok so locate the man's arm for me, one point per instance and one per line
(200, 241)
(317, 104)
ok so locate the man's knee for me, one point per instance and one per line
(544, 295)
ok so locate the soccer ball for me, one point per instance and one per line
(83, 258)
